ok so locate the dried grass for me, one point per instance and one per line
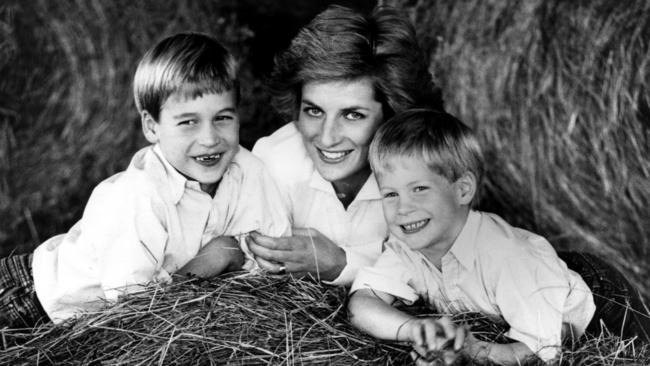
(249, 319)
(558, 92)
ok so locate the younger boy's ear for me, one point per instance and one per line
(149, 127)
(466, 188)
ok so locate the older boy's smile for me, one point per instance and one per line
(208, 160)
(198, 136)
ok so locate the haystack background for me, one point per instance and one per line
(557, 90)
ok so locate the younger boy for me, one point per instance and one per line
(429, 167)
(175, 209)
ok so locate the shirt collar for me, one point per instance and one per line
(369, 190)
(464, 247)
(176, 182)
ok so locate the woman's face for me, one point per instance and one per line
(337, 121)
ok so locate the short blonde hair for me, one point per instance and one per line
(444, 143)
(192, 64)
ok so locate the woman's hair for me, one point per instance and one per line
(188, 63)
(343, 44)
(444, 143)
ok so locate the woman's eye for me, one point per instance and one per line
(420, 188)
(353, 116)
(313, 112)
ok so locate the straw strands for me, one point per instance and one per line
(235, 319)
(249, 319)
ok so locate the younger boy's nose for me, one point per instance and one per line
(405, 205)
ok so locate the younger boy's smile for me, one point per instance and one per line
(421, 207)
(414, 227)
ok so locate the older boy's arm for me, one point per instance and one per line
(366, 306)
(220, 255)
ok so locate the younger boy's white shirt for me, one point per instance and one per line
(495, 269)
(145, 223)
(312, 203)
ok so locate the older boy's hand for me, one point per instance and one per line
(435, 340)
(307, 251)
(219, 255)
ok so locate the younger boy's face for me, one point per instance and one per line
(423, 209)
(199, 137)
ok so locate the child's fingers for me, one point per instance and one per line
(459, 340)
(417, 334)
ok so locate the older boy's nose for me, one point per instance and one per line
(209, 135)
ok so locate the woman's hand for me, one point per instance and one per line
(307, 251)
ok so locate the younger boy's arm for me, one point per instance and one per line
(221, 254)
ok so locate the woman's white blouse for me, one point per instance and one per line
(312, 203)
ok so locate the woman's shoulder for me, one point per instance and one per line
(284, 154)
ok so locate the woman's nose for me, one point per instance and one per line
(330, 133)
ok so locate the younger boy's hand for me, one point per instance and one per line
(435, 339)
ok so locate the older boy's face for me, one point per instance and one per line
(199, 137)
(422, 208)
(337, 121)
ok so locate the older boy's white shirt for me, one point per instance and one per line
(145, 223)
(494, 269)
(312, 202)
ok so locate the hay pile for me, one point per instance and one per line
(246, 319)
(236, 319)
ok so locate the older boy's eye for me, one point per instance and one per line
(224, 117)
(187, 122)
(312, 112)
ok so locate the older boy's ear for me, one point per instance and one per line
(149, 127)
(466, 188)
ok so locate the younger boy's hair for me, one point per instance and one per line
(191, 64)
(444, 143)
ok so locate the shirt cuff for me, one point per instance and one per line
(546, 350)
(371, 279)
(355, 261)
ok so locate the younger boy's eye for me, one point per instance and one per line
(390, 194)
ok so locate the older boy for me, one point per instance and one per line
(175, 209)
(429, 167)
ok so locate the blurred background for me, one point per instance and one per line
(557, 90)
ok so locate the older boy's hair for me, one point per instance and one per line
(444, 143)
(191, 64)
(342, 44)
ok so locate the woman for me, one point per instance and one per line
(343, 75)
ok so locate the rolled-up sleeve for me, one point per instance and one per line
(388, 275)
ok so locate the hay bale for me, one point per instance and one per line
(237, 318)
(249, 319)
